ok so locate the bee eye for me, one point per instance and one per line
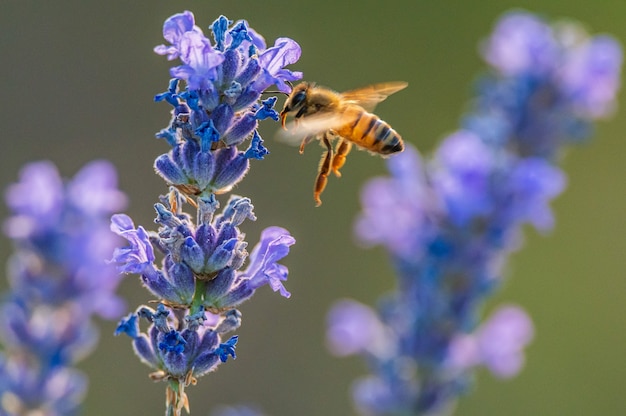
(298, 99)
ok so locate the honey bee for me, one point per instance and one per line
(321, 113)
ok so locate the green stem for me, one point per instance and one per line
(198, 296)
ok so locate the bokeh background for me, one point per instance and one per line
(77, 81)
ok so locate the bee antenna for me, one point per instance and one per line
(275, 92)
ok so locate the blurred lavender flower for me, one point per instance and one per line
(201, 278)
(449, 224)
(58, 280)
(240, 410)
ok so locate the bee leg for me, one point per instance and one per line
(324, 170)
(173, 195)
(343, 148)
(305, 141)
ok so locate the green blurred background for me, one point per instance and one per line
(78, 79)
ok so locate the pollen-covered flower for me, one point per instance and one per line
(456, 217)
(199, 268)
(58, 279)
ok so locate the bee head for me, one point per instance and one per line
(296, 101)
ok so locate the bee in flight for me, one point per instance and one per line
(321, 113)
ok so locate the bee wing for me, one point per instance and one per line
(368, 97)
(310, 126)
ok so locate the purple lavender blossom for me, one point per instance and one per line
(58, 280)
(462, 171)
(240, 410)
(224, 82)
(521, 44)
(354, 328)
(497, 344)
(199, 268)
(401, 197)
(458, 217)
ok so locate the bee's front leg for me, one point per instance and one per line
(304, 142)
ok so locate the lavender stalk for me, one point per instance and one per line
(450, 223)
(205, 270)
(59, 280)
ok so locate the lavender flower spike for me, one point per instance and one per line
(198, 268)
(58, 279)
(458, 216)
(224, 83)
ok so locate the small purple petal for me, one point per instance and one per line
(128, 326)
(263, 269)
(177, 25)
(227, 348)
(534, 182)
(284, 52)
(36, 198)
(591, 76)
(521, 44)
(219, 29)
(139, 254)
(94, 189)
(354, 328)
(502, 339)
(403, 198)
(462, 176)
(256, 149)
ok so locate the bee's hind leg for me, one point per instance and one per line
(343, 148)
(324, 170)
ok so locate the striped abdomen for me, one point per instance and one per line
(369, 131)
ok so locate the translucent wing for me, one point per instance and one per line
(310, 126)
(368, 97)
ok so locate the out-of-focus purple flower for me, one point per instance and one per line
(53, 222)
(59, 279)
(591, 77)
(498, 343)
(94, 189)
(462, 176)
(354, 328)
(502, 339)
(533, 183)
(576, 75)
(450, 224)
(521, 44)
(402, 198)
(37, 200)
(240, 410)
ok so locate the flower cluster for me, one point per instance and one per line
(201, 278)
(219, 108)
(450, 223)
(58, 281)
